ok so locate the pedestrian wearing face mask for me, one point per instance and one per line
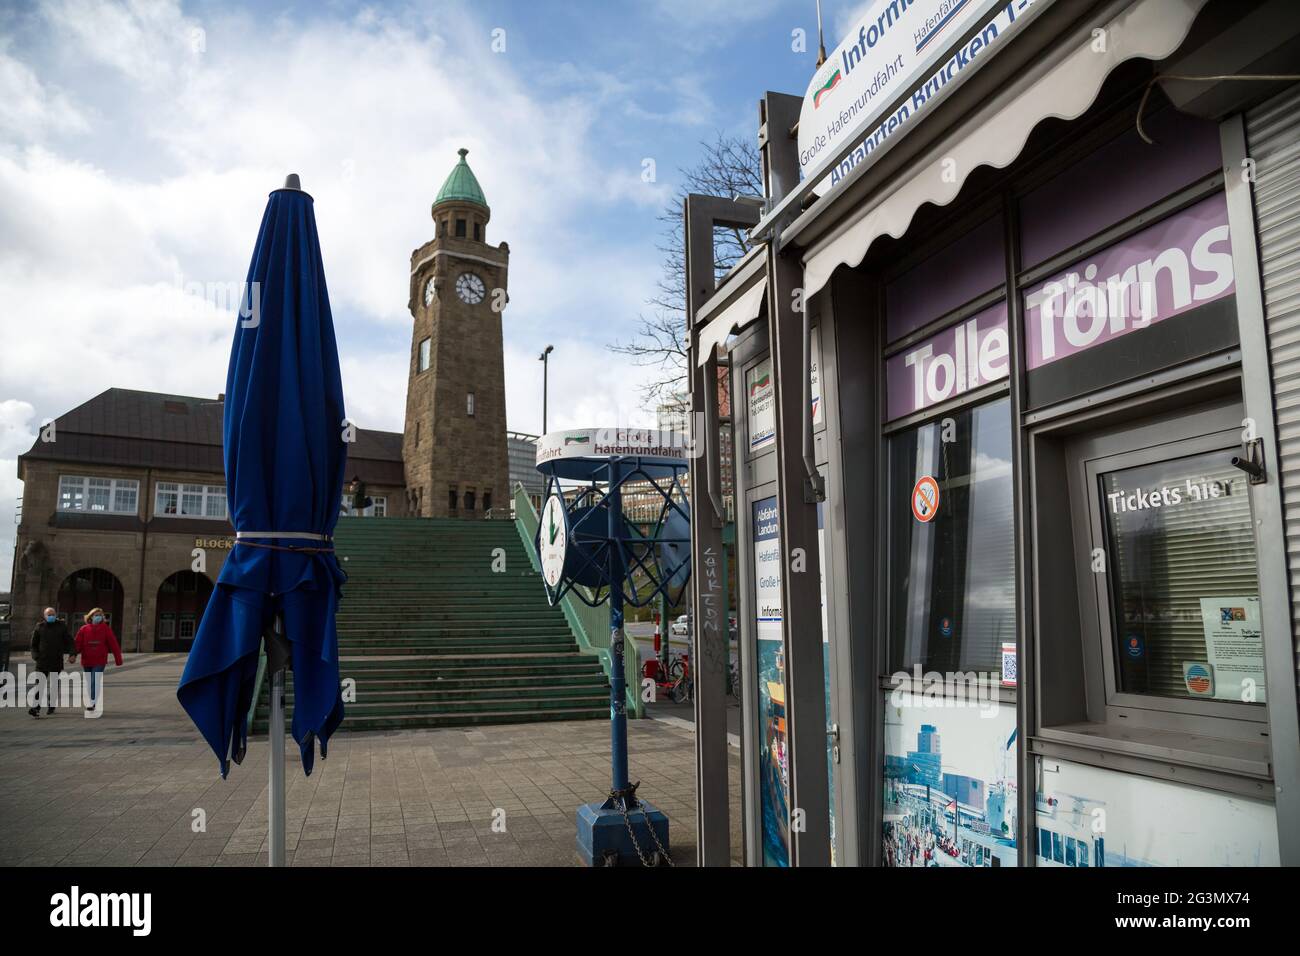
(94, 643)
(51, 642)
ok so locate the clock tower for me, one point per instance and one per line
(454, 441)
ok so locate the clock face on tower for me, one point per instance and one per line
(470, 288)
(430, 293)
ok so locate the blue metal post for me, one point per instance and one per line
(617, 680)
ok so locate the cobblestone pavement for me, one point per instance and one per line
(125, 789)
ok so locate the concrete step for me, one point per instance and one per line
(362, 723)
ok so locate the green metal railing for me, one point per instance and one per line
(590, 625)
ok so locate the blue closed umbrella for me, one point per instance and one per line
(285, 455)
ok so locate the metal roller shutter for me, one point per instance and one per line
(1273, 142)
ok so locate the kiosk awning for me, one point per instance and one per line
(1062, 84)
(741, 308)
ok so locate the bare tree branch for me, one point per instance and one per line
(728, 167)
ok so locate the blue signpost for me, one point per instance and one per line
(587, 547)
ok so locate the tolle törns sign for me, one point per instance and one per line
(962, 357)
(1175, 266)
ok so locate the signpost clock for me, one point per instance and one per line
(553, 540)
(454, 439)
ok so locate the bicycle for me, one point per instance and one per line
(681, 685)
(733, 679)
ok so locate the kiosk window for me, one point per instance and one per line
(1184, 593)
(951, 548)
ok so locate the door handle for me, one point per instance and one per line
(1251, 460)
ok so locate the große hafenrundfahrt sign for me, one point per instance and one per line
(652, 446)
(892, 51)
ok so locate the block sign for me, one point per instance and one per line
(1180, 263)
(925, 499)
(964, 356)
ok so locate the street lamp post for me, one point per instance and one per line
(545, 363)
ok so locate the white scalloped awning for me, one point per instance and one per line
(1061, 86)
(742, 311)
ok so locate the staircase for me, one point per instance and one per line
(434, 637)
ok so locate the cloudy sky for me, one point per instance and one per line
(138, 141)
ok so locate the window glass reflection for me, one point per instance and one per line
(951, 576)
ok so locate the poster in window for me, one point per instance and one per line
(1234, 644)
(762, 405)
(950, 781)
(773, 765)
(826, 669)
(815, 376)
(1087, 816)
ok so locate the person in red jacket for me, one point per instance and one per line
(94, 642)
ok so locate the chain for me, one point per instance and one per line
(621, 800)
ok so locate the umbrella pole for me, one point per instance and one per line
(275, 801)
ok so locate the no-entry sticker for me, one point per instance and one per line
(925, 499)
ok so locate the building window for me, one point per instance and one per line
(1184, 590)
(469, 499)
(951, 560)
(378, 507)
(119, 496)
(469, 403)
(478, 232)
(190, 501)
(417, 433)
(167, 627)
(487, 501)
(451, 498)
(187, 627)
(424, 355)
(460, 228)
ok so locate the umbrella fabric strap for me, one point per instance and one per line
(242, 537)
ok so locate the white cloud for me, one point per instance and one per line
(135, 158)
(29, 108)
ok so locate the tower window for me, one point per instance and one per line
(487, 501)
(424, 355)
(460, 228)
(417, 432)
(451, 498)
(478, 232)
(469, 403)
(469, 499)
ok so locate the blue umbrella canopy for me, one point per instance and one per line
(285, 455)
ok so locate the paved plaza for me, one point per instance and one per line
(126, 789)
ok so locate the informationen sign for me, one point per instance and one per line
(893, 51)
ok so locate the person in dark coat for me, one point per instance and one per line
(51, 643)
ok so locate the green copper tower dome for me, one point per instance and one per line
(461, 186)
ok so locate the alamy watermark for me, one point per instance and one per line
(948, 689)
(38, 690)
